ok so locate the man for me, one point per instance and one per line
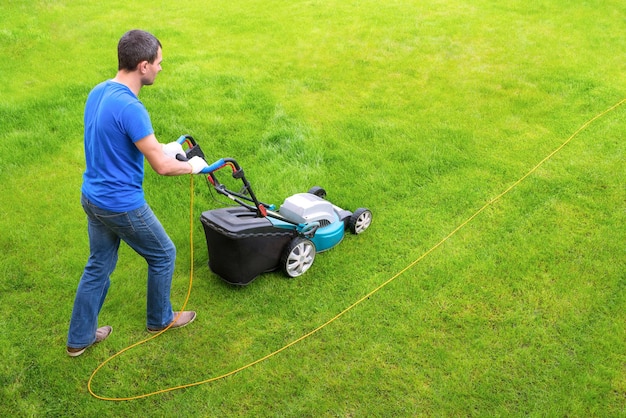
(118, 136)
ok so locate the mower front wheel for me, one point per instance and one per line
(297, 257)
(360, 220)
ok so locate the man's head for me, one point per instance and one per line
(140, 51)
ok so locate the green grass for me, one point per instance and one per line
(421, 111)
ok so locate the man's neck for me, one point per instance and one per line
(130, 80)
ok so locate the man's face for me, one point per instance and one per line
(150, 71)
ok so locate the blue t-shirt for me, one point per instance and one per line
(114, 120)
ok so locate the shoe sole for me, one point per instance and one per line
(75, 353)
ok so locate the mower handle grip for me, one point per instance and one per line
(206, 170)
(213, 167)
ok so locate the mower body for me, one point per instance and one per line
(243, 245)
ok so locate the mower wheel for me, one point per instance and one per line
(297, 256)
(360, 220)
(318, 191)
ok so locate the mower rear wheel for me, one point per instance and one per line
(318, 191)
(360, 220)
(297, 257)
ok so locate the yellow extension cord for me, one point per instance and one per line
(336, 317)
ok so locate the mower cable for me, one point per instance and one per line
(346, 310)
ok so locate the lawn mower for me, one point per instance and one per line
(253, 237)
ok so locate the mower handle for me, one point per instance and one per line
(213, 167)
(206, 170)
(184, 138)
(194, 150)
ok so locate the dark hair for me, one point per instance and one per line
(134, 47)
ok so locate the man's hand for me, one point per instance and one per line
(161, 163)
(173, 149)
(197, 164)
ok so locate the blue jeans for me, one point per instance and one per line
(143, 232)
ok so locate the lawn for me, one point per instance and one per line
(471, 302)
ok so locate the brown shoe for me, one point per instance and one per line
(101, 334)
(185, 317)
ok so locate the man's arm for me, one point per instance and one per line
(161, 163)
